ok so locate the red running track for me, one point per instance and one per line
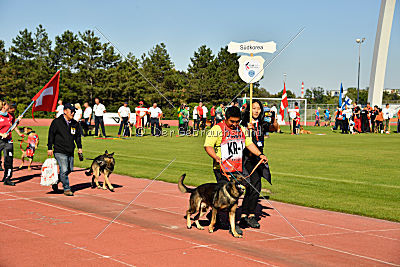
(40, 228)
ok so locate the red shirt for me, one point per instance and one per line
(200, 111)
(5, 123)
(297, 111)
(32, 137)
(212, 111)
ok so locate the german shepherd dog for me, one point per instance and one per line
(103, 164)
(216, 196)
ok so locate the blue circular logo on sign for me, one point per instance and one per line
(252, 73)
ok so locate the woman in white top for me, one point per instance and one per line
(78, 112)
(78, 116)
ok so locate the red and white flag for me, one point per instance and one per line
(284, 102)
(46, 99)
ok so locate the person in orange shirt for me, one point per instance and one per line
(379, 121)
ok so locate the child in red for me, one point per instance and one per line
(297, 119)
(33, 142)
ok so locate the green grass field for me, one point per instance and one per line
(358, 174)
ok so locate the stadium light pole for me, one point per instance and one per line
(359, 41)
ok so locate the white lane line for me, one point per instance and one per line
(76, 212)
(22, 229)
(329, 248)
(351, 230)
(28, 191)
(344, 252)
(35, 218)
(334, 179)
(98, 254)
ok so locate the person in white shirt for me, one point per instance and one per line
(87, 115)
(195, 115)
(59, 109)
(78, 112)
(78, 116)
(204, 119)
(155, 115)
(124, 113)
(387, 115)
(99, 109)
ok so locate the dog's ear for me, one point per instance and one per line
(106, 152)
(111, 155)
(240, 177)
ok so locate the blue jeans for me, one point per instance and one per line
(98, 121)
(66, 164)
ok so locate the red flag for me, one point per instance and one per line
(46, 99)
(284, 102)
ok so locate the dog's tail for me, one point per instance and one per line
(183, 188)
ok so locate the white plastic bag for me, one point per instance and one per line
(49, 172)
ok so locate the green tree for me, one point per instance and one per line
(228, 84)
(159, 70)
(201, 74)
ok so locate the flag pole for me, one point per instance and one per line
(17, 120)
(251, 105)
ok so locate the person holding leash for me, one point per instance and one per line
(225, 143)
(6, 142)
(64, 133)
(250, 161)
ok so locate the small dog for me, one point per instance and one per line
(103, 164)
(302, 131)
(217, 197)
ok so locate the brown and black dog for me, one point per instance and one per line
(103, 164)
(216, 196)
(302, 131)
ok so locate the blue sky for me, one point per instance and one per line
(324, 55)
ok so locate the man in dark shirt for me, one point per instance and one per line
(373, 114)
(64, 133)
(364, 120)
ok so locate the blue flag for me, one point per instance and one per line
(347, 102)
(340, 95)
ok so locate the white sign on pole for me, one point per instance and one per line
(251, 69)
(252, 47)
(113, 118)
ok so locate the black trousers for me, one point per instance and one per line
(98, 120)
(253, 189)
(365, 126)
(212, 121)
(123, 125)
(85, 126)
(196, 124)
(294, 127)
(155, 126)
(203, 123)
(345, 126)
(8, 151)
(373, 125)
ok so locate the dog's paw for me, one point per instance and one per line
(188, 226)
(200, 228)
(237, 236)
(112, 189)
(210, 230)
(104, 188)
(98, 187)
